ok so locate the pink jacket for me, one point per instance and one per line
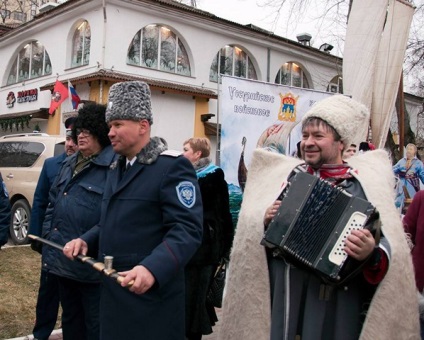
(414, 225)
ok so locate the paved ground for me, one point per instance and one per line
(57, 334)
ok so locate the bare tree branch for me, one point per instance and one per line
(331, 18)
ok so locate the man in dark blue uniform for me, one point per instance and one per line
(4, 213)
(48, 293)
(151, 223)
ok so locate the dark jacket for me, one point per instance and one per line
(48, 174)
(4, 213)
(414, 225)
(218, 234)
(296, 294)
(218, 231)
(149, 218)
(74, 208)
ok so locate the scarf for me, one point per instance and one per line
(333, 173)
(206, 168)
(82, 162)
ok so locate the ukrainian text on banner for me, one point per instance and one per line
(255, 114)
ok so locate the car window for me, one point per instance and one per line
(59, 148)
(19, 154)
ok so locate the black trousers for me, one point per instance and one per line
(47, 306)
(80, 309)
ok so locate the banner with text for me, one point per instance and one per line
(254, 114)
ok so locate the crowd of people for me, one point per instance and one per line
(176, 229)
(164, 217)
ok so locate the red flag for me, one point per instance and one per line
(60, 93)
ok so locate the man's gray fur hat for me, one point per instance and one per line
(348, 117)
(129, 100)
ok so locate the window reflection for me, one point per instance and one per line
(150, 46)
(81, 45)
(291, 74)
(183, 64)
(32, 61)
(240, 61)
(37, 60)
(336, 85)
(251, 71)
(226, 60)
(19, 154)
(156, 43)
(133, 55)
(168, 50)
(233, 61)
(213, 71)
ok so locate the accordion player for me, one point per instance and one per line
(312, 224)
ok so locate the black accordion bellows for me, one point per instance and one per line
(312, 223)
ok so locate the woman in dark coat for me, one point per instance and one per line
(218, 233)
(4, 213)
(75, 200)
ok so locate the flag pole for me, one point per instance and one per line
(401, 122)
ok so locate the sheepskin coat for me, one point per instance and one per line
(393, 313)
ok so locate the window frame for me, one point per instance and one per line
(18, 151)
(82, 32)
(141, 48)
(289, 67)
(27, 52)
(335, 87)
(236, 56)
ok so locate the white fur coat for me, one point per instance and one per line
(393, 313)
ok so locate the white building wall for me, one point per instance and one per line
(203, 42)
(173, 118)
(111, 37)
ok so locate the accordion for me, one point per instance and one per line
(312, 224)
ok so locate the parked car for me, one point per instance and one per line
(21, 160)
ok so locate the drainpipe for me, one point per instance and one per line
(104, 33)
(102, 65)
(268, 66)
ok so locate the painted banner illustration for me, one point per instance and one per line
(254, 114)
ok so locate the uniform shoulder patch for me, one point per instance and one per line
(186, 193)
(172, 153)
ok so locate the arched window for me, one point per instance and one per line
(336, 85)
(81, 45)
(32, 61)
(160, 48)
(233, 61)
(291, 74)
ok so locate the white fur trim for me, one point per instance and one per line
(348, 117)
(393, 313)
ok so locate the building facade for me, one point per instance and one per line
(14, 12)
(177, 49)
